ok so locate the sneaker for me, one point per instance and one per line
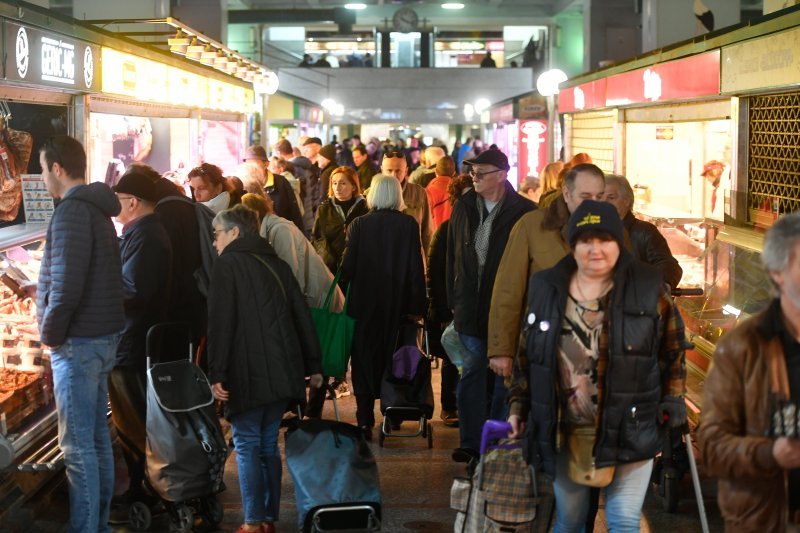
(343, 389)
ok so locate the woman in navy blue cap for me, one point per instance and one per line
(601, 370)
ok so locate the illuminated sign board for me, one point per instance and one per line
(532, 148)
(46, 58)
(150, 81)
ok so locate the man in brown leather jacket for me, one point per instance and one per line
(756, 371)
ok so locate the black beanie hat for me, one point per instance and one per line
(598, 216)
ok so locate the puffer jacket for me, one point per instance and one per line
(79, 292)
(261, 338)
(748, 372)
(629, 426)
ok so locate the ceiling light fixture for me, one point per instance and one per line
(452, 5)
(355, 6)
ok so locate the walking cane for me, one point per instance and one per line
(696, 482)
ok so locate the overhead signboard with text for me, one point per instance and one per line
(50, 59)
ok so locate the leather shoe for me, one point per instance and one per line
(450, 418)
(465, 455)
(367, 431)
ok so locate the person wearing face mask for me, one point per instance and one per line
(210, 187)
(601, 374)
(343, 205)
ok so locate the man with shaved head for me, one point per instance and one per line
(424, 174)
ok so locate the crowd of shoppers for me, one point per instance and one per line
(563, 309)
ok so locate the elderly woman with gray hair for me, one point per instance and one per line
(261, 345)
(383, 264)
(647, 243)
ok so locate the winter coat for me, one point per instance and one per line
(649, 246)
(383, 264)
(146, 277)
(186, 302)
(283, 200)
(261, 338)
(749, 373)
(309, 270)
(330, 228)
(439, 200)
(629, 427)
(530, 248)
(438, 310)
(468, 294)
(310, 193)
(366, 171)
(79, 292)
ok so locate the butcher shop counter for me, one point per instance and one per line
(29, 452)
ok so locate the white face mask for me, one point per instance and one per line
(219, 202)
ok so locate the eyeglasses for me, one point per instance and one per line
(218, 231)
(474, 174)
(394, 153)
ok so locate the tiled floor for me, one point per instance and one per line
(415, 484)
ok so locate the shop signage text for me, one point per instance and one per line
(772, 61)
(681, 79)
(532, 148)
(503, 113)
(534, 106)
(49, 59)
(150, 81)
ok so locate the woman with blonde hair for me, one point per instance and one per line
(343, 205)
(383, 255)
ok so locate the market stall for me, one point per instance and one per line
(290, 118)
(47, 74)
(171, 118)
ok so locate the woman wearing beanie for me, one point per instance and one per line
(603, 365)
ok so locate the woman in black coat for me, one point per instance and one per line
(261, 345)
(343, 205)
(383, 263)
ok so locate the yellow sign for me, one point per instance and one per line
(771, 61)
(151, 81)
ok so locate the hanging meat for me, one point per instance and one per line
(15, 153)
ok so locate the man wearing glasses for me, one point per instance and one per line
(80, 315)
(414, 196)
(146, 254)
(480, 224)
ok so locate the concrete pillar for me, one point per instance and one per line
(665, 22)
(613, 30)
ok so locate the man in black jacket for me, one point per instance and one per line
(146, 254)
(79, 310)
(308, 175)
(647, 243)
(366, 169)
(479, 227)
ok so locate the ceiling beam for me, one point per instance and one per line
(561, 5)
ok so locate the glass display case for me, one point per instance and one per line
(28, 419)
(735, 286)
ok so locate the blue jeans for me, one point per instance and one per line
(255, 437)
(624, 497)
(80, 383)
(474, 398)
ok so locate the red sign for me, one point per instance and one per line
(590, 95)
(503, 113)
(675, 80)
(532, 148)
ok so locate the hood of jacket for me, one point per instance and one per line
(249, 244)
(97, 194)
(273, 220)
